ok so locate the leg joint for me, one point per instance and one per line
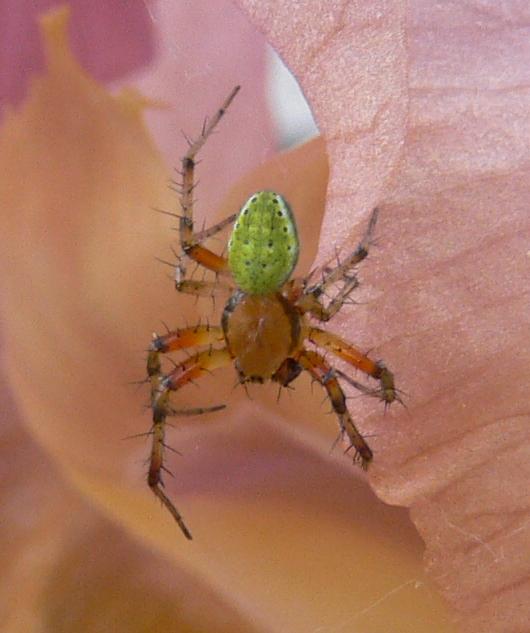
(188, 163)
(153, 478)
(153, 362)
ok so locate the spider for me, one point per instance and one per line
(265, 322)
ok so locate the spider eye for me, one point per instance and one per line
(263, 248)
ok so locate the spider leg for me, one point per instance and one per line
(181, 339)
(287, 372)
(162, 385)
(311, 298)
(201, 288)
(172, 341)
(312, 303)
(325, 375)
(203, 235)
(347, 352)
(190, 241)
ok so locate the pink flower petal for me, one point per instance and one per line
(110, 39)
(448, 283)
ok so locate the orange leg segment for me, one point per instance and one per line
(355, 357)
(324, 374)
(162, 385)
(206, 258)
(186, 337)
(195, 367)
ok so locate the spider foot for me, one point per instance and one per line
(156, 486)
(362, 454)
(387, 391)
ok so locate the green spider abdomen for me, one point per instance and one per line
(263, 248)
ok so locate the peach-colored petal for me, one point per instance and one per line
(448, 285)
(296, 542)
(64, 565)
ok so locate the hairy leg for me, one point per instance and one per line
(347, 352)
(324, 374)
(202, 288)
(190, 241)
(162, 386)
(311, 297)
